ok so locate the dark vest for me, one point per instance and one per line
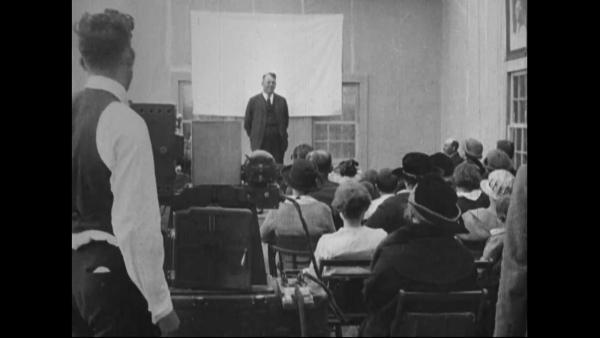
(91, 195)
(272, 122)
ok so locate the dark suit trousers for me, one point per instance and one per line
(273, 143)
(106, 303)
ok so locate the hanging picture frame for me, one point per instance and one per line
(516, 29)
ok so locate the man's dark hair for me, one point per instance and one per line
(273, 75)
(455, 145)
(348, 168)
(507, 146)
(301, 151)
(104, 37)
(467, 176)
(386, 181)
(321, 159)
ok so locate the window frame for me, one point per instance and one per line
(360, 122)
(521, 153)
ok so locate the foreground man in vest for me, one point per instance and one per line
(118, 285)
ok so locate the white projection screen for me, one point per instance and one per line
(231, 52)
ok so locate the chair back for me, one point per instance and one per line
(438, 314)
(346, 286)
(291, 254)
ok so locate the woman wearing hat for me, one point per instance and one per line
(481, 222)
(421, 256)
(302, 177)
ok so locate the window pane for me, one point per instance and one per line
(524, 159)
(515, 86)
(522, 86)
(513, 135)
(335, 132)
(348, 132)
(522, 108)
(320, 132)
(348, 150)
(336, 150)
(515, 113)
(525, 140)
(525, 84)
(525, 111)
(518, 145)
(320, 145)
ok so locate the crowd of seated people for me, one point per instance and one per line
(414, 222)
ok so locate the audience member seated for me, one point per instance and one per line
(370, 188)
(479, 222)
(326, 188)
(370, 176)
(422, 256)
(497, 159)
(443, 165)
(467, 179)
(508, 147)
(389, 216)
(347, 170)
(301, 151)
(473, 150)
(353, 240)
(302, 177)
(450, 149)
(386, 183)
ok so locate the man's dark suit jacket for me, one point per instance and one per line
(256, 119)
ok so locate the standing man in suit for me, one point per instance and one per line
(266, 120)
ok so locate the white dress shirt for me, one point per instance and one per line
(350, 243)
(268, 98)
(124, 146)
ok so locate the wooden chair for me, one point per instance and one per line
(293, 255)
(347, 290)
(439, 314)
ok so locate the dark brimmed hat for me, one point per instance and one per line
(414, 166)
(301, 175)
(435, 201)
(443, 163)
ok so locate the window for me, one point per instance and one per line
(338, 134)
(517, 115)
